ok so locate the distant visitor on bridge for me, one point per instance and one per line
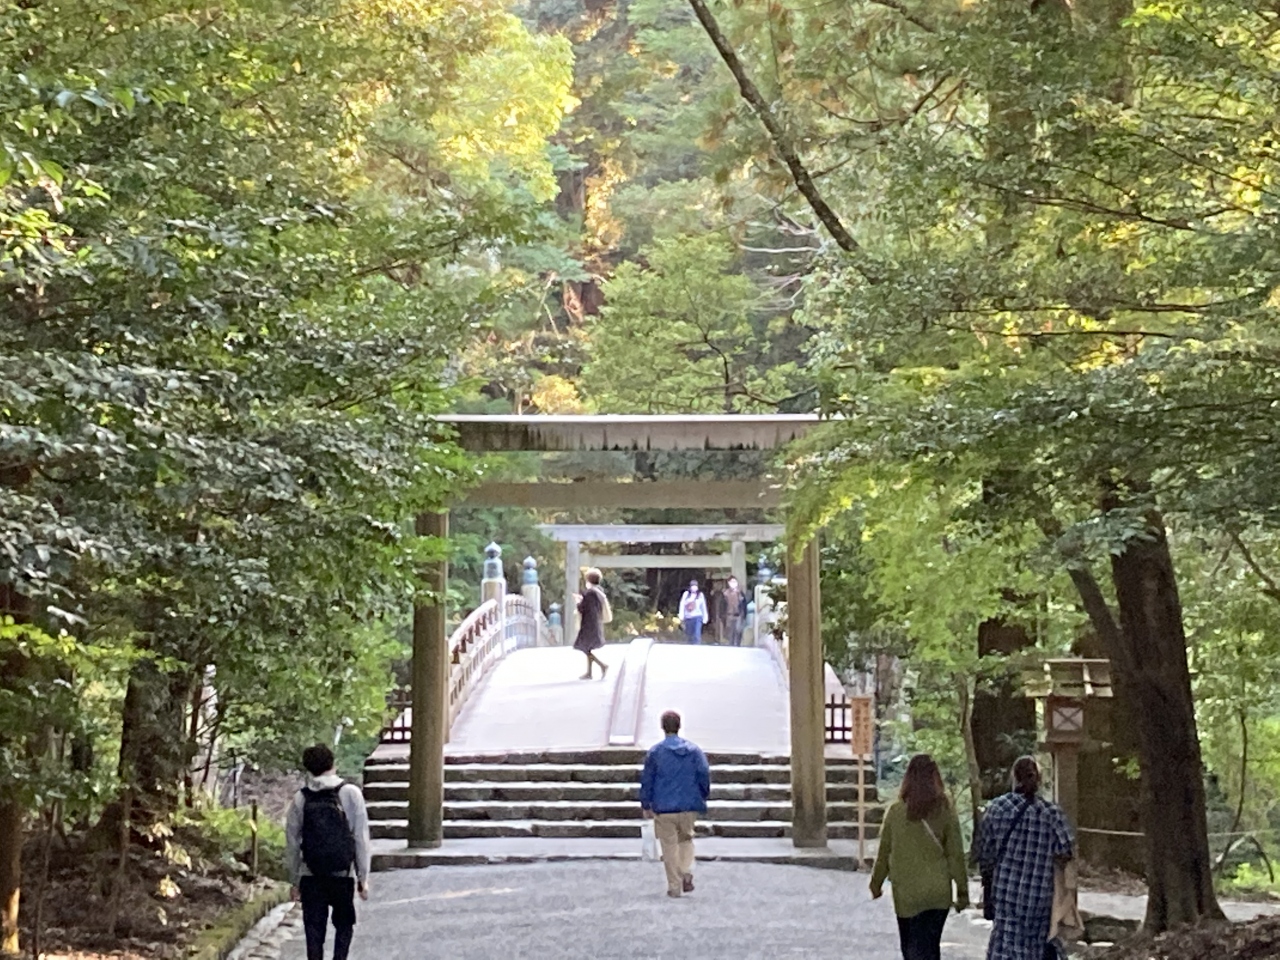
(693, 612)
(593, 614)
(674, 788)
(735, 611)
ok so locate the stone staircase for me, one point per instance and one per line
(594, 794)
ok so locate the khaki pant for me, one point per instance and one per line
(675, 833)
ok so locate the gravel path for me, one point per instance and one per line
(620, 911)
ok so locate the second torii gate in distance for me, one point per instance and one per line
(573, 535)
(499, 434)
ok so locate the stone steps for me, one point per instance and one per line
(586, 796)
(533, 791)
(729, 810)
(604, 829)
(599, 773)
(592, 756)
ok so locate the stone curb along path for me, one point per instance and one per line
(266, 938)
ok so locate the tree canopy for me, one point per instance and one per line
(240, 247)
(1022, 251)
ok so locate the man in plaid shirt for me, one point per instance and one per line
(1021, 839)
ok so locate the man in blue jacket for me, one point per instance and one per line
(673, 791)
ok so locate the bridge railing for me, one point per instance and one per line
(489, 632)
(478, 641)
(770, 631)
(524, 622)
(842, 716)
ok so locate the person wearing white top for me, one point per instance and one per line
(693, 612)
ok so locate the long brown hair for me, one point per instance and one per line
(922, 789)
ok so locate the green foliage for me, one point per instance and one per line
(1058, 326)
(209, 835)
(65, 693)
(1250, 880)
(275, 700)
(1231, 610)
(702, 329)
(240, 248)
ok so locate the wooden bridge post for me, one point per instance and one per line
(430, 722)
(808, 731)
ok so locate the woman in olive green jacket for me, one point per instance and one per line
(922, 856)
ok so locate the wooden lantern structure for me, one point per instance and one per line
(1064, 686)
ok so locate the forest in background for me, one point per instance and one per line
(1025, 249)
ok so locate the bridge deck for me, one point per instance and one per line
(732, 700)
(533, 699)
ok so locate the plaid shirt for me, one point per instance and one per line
(1024, 876)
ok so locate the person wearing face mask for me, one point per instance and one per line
(693, 612)
(735, 611)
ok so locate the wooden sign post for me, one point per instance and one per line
(862, 721)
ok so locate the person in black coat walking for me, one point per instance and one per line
(592, 616)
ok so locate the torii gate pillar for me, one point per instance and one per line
(429, 726)
(738, 562)
(808, 733)
(572, 578)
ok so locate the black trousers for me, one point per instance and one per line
(319, 895)
(920, 936)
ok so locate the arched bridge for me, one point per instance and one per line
(538, 758)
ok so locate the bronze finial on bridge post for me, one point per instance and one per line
(430, 677)
(494, 584)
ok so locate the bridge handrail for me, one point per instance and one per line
(523, 621)
(768, 616)
(486, 635)
(771, 635)
(471, 651)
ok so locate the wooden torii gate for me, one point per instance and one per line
(544, 434)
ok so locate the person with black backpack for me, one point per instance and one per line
(327, 853)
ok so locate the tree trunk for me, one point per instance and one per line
(52, 816)
(965, 693)
(12, 830)
(1109, 799)
(1036, 26)
(1004, 718)
(1151, 659)
(124, 833)
(12, 811)
(154, 753)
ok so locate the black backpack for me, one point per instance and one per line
(328, 845)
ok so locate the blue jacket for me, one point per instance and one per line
(676, 777)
